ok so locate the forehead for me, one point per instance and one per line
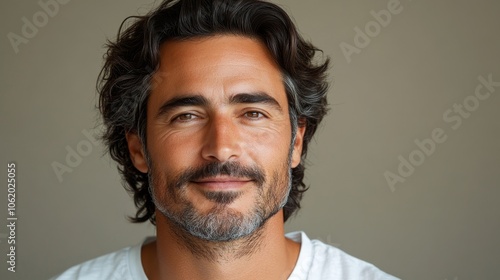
(217, 67)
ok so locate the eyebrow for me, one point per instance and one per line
(184, 101)
(255, 97)
(199, 100)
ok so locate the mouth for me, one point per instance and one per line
(222, 183)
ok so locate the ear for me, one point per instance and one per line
(136, 153)
(297, 146)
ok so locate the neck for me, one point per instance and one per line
(264, 254)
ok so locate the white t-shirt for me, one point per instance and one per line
(317, 261)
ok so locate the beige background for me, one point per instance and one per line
(441, 223)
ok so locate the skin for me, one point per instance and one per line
(218, 68)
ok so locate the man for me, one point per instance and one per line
(209, 106)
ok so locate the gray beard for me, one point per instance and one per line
(223, 224)
(212, 236)
(223, 232)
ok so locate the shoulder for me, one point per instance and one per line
(318, 260)
(122, 264)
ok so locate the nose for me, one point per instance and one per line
(222, 141)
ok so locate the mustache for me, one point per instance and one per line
(213, 169)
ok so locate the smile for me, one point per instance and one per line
(222, 183)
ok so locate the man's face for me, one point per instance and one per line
(219, 138)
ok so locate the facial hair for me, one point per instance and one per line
(221, 223)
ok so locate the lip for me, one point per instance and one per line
(222, 183)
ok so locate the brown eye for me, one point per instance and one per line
(253, 115)
(185, 117)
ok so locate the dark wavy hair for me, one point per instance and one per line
(126, 78)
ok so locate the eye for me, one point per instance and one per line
(254, 115)
(184, 117)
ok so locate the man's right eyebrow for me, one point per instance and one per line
(182, 101)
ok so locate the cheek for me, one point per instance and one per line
(172, 151)
(268, 147)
